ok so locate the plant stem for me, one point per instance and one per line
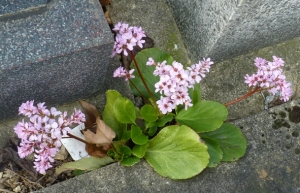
(139, 92)
(79, 139)
(141, 76)
(249, 93)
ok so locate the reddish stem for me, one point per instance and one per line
(79, 139)
(142, 78)
(139, 91)
(249, 93)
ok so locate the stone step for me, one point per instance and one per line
(224, 29)
(56, 56)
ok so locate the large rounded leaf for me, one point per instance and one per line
(177, 152)
(124, 110)
(147, 71)
(203, 116)
(230, 139)
(109, 116)
(215, 153)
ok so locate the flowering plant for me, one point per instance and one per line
(180, 134)
(176, 131)
(41, 135)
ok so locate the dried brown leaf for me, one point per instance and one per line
(104, 2)
(92, 113)
(101, 140)
(103, 136)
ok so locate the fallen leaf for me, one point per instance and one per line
(86, 164)
(92, 113)
(97, 134)
(103, 135)
(100, 140)
(104, 2)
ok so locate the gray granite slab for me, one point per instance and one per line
(223, 29)
(56, 57)
(271, 164)
(15, 6)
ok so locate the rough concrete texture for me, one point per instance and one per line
(271, 164)
(223, 29)
(11, 7)
(156, 19)
(55, 57)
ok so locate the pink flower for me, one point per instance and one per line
(175, 81)
(129, 75)
(120, 72)
(150, 62)
(269, 76)
(42, 134)
(26, 148)
(27, 108)
(165, 105)
(127, 37)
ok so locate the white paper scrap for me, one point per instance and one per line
(76, 148)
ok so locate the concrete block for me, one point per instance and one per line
(14, 7)
(223, 29)
(56, 56)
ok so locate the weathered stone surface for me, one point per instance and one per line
(56, 57)
(223, 29)
(12, 7)
(271, 164)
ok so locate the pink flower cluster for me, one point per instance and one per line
(269, 76)
(122, 72)
(175, 81)
(42, 133)
(127, 37)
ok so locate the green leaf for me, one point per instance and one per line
(77, 172)
(140, 150)
(195, 93)
(126, 151)
(147, 71)
(111, 153)
(177, 152)
(126, 136)
(149, 113)
(138, 113)
(215, 153)
(137, 135)
(164, 120)
(230, 139)
(203, 116)
(124, 110)
(109, 116)
(152, 130)
(130, 161)
(86, 164)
